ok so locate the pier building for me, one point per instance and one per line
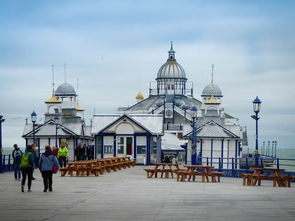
(64, 121)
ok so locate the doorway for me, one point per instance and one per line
(124, 146)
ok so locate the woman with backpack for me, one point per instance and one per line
(46, 163)
(27, 165)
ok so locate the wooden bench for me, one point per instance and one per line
(215, 174)
(247, 178)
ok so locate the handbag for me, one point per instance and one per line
(54, 168)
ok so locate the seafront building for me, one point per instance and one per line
(169, 105)
(64, 121)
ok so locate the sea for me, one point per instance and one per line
(286, 157)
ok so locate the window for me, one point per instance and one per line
(140, 149)
(108, 149)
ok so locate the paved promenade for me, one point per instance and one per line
(128, 195)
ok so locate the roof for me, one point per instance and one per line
(149, 122)
(53, 99)
(65, 89)
(213, 130)
(155, 101)
(211, 90)
(49, 129)
(170, 142)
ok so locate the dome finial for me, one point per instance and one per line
(171, 52)
(212, 66)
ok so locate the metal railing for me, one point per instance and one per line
(7, 163)
(233, 167)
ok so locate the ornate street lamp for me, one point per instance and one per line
(256, 107)
(34, 119)
(194, 113)
(1, 150)
(56, 128)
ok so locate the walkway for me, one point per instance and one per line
(128, 195)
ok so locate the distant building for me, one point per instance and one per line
(64, 120)
(135, 135)
(218, 133)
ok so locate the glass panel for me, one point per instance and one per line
(140, 149)
(108, 149)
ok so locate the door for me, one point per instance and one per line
(124, 146)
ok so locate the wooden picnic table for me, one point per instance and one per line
(275, 176)
(197, 170)
(164, 168)
(98, 166)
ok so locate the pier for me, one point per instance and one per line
(129, 195)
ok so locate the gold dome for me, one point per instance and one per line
(53, 99)
(139, 96)
(212, 100)
(78, 108)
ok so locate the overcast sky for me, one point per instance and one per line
(115, 48)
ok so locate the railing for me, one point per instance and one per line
(233, 167)
(7, 163)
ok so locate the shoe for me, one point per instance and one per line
(33, 178)
(45, 190)
(29, 190)
(50, 190)
(23, 189)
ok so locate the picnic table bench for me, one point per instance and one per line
(96, 167)
(253, 179)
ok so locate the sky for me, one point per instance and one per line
(116, 47)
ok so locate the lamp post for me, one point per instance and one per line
(256, 107)
(34, 119)
(1, 150)
(194, 112)
(56, 128)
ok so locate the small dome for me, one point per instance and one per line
(65, 89)
(139, 96)
(211, 90)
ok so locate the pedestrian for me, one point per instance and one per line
(55, 151)
(36, 158)
(83, 155)
(27, 165)
(63, 153)
(46, 162)
(16, 155)
(78, 152)
(89, 152)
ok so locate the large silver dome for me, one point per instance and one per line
(65, 89)
(211, 90)
(171, 69)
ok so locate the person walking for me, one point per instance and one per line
(55, 151)
(16, 155)
(36, 159)
(78, 152)
(63, 153)
(27, 165)
(46, 162)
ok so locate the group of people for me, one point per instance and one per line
(25, 163)
(84, 152)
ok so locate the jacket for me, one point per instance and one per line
(46, 162)
(63, 152)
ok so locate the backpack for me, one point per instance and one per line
(25, 160)
(17, 156)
